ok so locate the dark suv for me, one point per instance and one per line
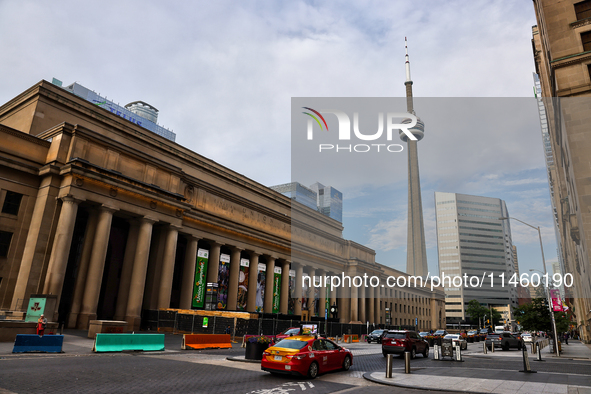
(504, 340)
(375, 336)
(398, 342)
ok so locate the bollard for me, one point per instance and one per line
(484, 348)
(539, 354)
(389, 359)
(526, 366)
(436, 352)
(349, 339)
(458, 353)
(492, 346)
(406, 362)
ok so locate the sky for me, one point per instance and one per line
(223, 74)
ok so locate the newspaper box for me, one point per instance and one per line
(447, 348)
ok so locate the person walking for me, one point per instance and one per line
(566, 337)
(41, 324)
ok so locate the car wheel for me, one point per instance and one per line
(505, 347)
(426, 351)
(465, 346)
(384, 354)
(413, 353)
(313, 370)
(519, 346)
(346, 363)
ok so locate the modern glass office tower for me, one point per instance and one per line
(324, 199)
(473, 241)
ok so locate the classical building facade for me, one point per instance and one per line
(562, 53)
(112, 219)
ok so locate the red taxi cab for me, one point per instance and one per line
(305, 355)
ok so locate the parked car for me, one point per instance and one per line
(504, 340)
(304, 355)
(527, 337)
(473, 336)
(424, 334)
(440, 333)
(287, 333)
(400, 341)
(375, 336)
(457, 339)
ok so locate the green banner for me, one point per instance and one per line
(36, 309)
(200, 279)
(276, 289)
(292, 299)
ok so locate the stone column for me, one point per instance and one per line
(130, 248)
(234, 276)
(36, 244)
(362, 298)
(189, 273)
(96, 266)
(284, 300)
(345, 305)
(166, 277)
(253, 271)
(311, 274)
(322, 295)
(371, 297)
(379, 310)
(298, 289)
(138, 274)
(354, 303)
(268, 301)
(213, 267)
(56, 270)
(83, 268)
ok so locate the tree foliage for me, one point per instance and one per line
(535, 316)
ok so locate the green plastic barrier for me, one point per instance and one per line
(123, 342)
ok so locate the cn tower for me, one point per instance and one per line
(416, 254)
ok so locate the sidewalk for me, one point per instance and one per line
(494, 380)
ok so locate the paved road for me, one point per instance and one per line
(209, 372)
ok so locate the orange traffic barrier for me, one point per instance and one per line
(354, 338)
(206, 341)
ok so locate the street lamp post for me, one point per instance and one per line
(545, 273)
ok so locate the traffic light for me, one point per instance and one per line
(487, 321)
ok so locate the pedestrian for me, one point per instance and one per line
(566, 337)
(228, 330)
(41, 324)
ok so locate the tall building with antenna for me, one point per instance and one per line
(416, 253)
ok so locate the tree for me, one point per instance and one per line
(475, 310)
(496, 316)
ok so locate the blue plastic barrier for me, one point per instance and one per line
(34, 343)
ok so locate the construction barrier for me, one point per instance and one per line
(25, 343)
(123, 342)
(354, 338)
(206, 341)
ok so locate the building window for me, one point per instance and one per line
(586, 39)
(12, 202)
(583, 10)
(5, 238)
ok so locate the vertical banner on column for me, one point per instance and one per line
(276, 289)
(556, 303)
(327, 302)
(316, 300)
(243, 285)
(200, 284)
(261, 273)
(223, 279)
(292, 300)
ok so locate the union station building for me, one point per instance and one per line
(114, 219)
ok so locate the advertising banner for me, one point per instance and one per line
(276, 289)
(36, 309)
(243, 285)
(292, 300)
(223, 279)
(556, 302)
(200, 282)
(261, 273)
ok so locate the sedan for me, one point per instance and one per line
(504, 340)
(305, 355)
(457, 340)
(527, 337)
(375, 336)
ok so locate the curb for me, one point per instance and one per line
(367, 376)
(243, 360)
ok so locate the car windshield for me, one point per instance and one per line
(451, 336)
(291, 331)
(472, 332)
(291, 344)
(396, 335)
(423, 334)
(377, 332)
(494, 335)
(439, 332)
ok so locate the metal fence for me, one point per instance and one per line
(173, 321)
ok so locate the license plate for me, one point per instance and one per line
(288, 367)
(278, 358)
